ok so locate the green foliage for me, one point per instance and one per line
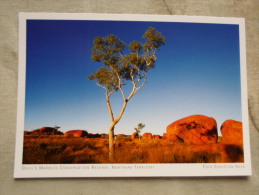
(105, 77)
(120, 67)
(139, 128)
(154, 38)
(135, 46)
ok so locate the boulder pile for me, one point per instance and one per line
(202, 131)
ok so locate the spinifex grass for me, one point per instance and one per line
(61, 150)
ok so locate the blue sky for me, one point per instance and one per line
(197, 72)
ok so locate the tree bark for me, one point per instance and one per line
(111, 143)
(111, 129)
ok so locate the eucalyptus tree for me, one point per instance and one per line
(139, 129)
(123, 67)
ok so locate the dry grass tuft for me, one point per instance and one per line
(61, 150)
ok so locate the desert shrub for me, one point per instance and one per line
(233, 153)
(59, 150)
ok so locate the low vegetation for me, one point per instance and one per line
(57, 149)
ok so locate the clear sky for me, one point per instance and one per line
(197, 72)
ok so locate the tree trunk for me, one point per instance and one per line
(111, 143)
(111, 129)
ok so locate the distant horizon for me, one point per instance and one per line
(197, 72)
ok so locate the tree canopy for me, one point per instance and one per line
(139, 128)
(120, 67)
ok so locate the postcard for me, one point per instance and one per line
(117, 95)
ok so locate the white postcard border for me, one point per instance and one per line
(127, 170)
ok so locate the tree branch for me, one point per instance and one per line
(135, 88)
(120, 84)
(121, 112)
(109, 108)
(101, 86)
(109, 94)
(133, 91)
(132, 77)
(144, 82)
(122, 93)
(121, 56)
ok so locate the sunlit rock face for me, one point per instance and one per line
(232, 132)
(76, 133)
(195, 129)
(156, 137)
(147, 136)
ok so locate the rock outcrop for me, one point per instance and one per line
(27, 133)
(232, 141)
(76, 133)
(175, 139)
(49, 131)
(120, 136)
(135, 136)
(147, 136)
(43, 131)
(195, 129)
(232, 132)
(164, 135)
(156, 137)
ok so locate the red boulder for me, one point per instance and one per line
(232, 132)
(45, 131)
(164, 135)
(156, 137)
(147, 136)
(27, 133)
(175, 139)
(49, 131)
(120, 136)
(76, 133)
(195, 129)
